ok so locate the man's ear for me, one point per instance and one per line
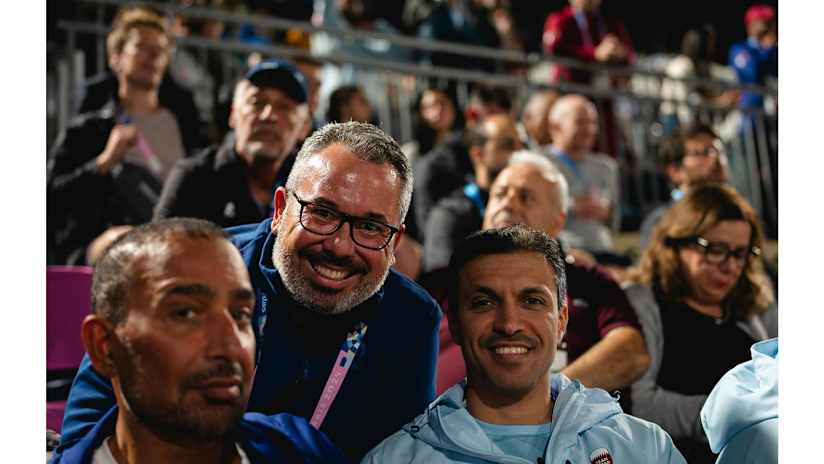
(396, 240)
(232, 116)
(558, 224)
(97, 336)
(281, 199)
(563, 319)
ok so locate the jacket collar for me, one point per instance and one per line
(447, 424)
(83, 450)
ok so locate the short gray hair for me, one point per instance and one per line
(548, 171)
(365, 141)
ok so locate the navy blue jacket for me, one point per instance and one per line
(391, 380)
(264, 439)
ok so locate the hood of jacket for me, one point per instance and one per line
(447, 424)
(745, 396)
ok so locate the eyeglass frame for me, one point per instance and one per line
(344, 218)
(704, 244)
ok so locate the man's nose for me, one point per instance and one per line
(340, 243)
(226, 337)
(268, 113)
(507, 319)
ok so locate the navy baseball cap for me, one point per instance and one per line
(281, 75)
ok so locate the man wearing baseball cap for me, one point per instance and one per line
(234, 183)
(757, 57)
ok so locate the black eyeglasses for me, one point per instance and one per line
(368, 233)
(717, 252)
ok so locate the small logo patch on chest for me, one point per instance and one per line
(601, 456)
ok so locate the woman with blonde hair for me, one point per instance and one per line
(699, 291)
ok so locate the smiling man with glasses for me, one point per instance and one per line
(342, 340)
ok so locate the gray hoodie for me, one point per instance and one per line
(588, 427)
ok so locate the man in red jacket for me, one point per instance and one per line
(581, 31)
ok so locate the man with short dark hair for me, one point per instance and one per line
(490, 143)
(234, 183)
(507, 312)
(694, 156)
(333, 322)
(603, 346)
(176, 340)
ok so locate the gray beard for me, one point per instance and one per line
(314, 299)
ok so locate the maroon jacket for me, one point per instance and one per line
(564, 37)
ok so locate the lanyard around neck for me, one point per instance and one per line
(342, 364)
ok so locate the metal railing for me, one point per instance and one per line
(394, 85)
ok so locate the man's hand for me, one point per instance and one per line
(122, 138)
(610, 49)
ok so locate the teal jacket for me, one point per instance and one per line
(740, 416)
(587, 422)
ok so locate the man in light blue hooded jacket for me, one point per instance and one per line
(504, 312)
(740, 416)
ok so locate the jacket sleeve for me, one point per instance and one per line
(558, 38)
(678, 414)
(72, 167)
(412, 370)
(76, 189)
(90, 397)
(178, 198)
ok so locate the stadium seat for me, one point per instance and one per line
(68, 301)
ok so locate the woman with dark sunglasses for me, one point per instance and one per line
(699, 291)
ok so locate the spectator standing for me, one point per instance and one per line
(755, 60)
(694, 62)
(464, 22)
(581, 31)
